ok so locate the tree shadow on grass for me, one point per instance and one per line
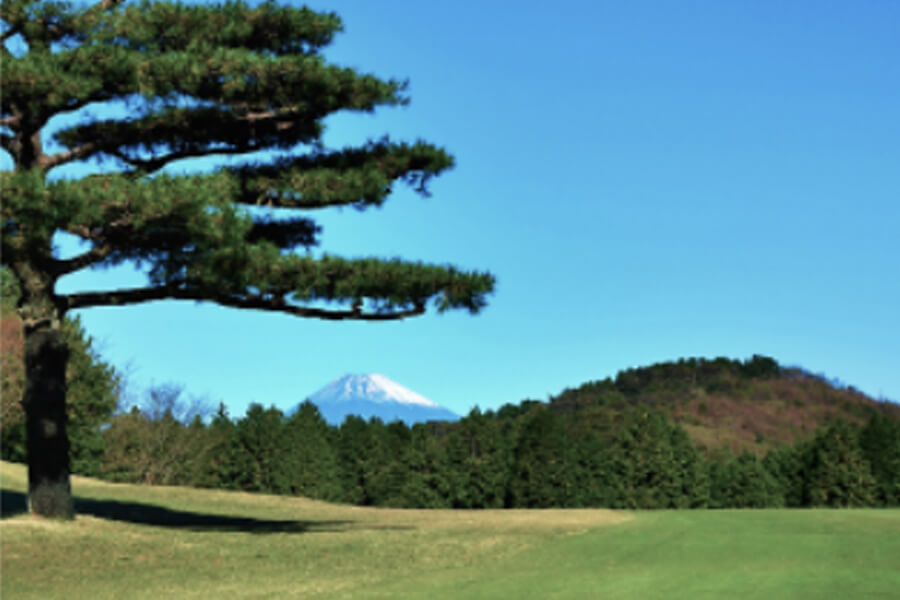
(160, 516)
(13, 503)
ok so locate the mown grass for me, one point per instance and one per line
(152, 542)
(139, 541)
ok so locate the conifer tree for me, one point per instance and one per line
(262, 450)
(225, 457)
(389, 467)
(312, 460)
(837, 473)
(743, 482)
(479, 462)
(543, 473)
(786, 465)
(880, 443)
(427, 484)
(361, 454)
(196, 81)
(654, 464)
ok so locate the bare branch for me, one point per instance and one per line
(259, 116)
(94, 255)
(10, 120)
(283, 115)
(173, 292)
(152, 165)
(54, 160)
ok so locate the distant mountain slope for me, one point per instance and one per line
(724, 403)
(375, 395)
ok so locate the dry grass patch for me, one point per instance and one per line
(503, 520)
(151, 542)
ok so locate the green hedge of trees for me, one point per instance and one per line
(530, 458)
(564, 453)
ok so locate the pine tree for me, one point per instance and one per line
(412, 472)
(427, 484)
(361, 454)
(743, 482)
(389, 462)
(654, 464)
(92, 386)
(543, 470)
(196, 81)
(785, 464)
(837, 473)
(262, 450)
(223, 459)
(93, 393)
(880, 443)
(593, 471)
(478, 463)
(312, 461)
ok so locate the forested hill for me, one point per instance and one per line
(722, 403)
(610, 443)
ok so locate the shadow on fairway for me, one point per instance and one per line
(159, 516)
(13, 503)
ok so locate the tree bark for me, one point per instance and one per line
(49, 489)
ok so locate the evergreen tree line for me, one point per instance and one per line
(532, 454)
(535, 458)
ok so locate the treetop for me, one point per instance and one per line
(203, 81)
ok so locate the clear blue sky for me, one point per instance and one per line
(648, 180)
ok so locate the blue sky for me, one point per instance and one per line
(648, 180)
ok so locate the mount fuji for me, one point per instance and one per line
(376, 396)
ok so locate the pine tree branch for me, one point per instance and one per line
(267, 27)
(61, 158)
(201, 132)
(152, 165)
(9, 33)
(92, 256)
(359, 176)
(7, 142)
(70, 25)
(175, 292)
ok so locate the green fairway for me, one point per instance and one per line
(152, 542)
(704, 554)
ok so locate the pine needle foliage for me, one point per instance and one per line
(229, 80)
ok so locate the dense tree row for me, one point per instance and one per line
(534, 459)
(534, 454)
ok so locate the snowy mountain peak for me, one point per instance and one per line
(376, 395)
(374, 387)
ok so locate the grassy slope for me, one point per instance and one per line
(154, 542)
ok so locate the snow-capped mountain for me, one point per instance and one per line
(376, 396)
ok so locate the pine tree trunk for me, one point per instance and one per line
(49, 490)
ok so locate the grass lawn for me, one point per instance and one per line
(153, 542)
